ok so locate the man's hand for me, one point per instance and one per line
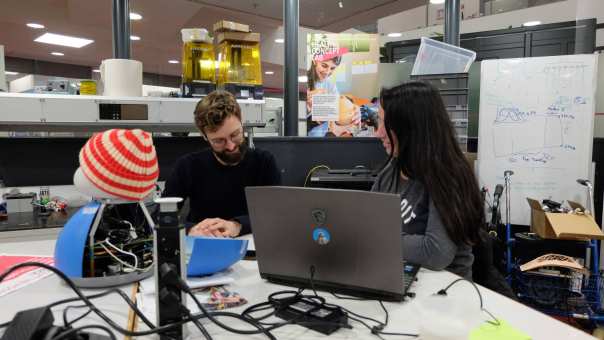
(216, 227)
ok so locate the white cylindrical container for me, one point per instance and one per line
(122, 77)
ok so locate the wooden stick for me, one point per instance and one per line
(132, 317)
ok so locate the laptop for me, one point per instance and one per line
(348, 242)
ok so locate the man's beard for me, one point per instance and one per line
(232, 158)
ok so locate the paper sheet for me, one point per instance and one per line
(23, 276)
(325, 107)
(221, 278)
(208, 255)
(504, 331)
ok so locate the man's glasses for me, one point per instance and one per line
(235, 137)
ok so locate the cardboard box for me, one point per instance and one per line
(237, 36)
(563, 226)
(225, 26)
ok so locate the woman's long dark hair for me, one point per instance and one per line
(429, 153)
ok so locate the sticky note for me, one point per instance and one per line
(503, 331)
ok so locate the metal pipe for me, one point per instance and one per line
(121, 29)
(290, 67)
(452, 21)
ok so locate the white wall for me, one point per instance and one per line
(469, 9)
(403, 21)
(556, 12)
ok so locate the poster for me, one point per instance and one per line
(342, 85)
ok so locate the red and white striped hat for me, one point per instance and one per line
(121, 163)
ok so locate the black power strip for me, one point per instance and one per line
(312, 315)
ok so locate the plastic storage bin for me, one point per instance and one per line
(446, 82)
(435, 57)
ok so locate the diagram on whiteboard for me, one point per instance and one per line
(533, 137)
(536, 118)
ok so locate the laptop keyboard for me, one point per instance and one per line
(409, 275)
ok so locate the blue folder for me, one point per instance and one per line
(209, 255)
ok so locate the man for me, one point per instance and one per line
(214, 179)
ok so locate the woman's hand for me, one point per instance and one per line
(309, 95)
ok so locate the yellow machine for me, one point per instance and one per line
(240, 70)
(198, 63)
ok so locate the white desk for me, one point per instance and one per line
(402, 315)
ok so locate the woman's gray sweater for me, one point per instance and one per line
(425, 239)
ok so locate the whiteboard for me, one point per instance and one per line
(536, 118)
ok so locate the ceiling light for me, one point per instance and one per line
(63, 40)
(135, 16)
(532, 23)
(395, 35)
(302, 79)
(173, 61)
(96, 70)
(340, 4)
(11, 73)
(34, 25)
(57, 54)
(135, 37)
(280, 41)
(269, 72)
(437, 2)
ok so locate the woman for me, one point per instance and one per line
(321, 68)
(441, 206)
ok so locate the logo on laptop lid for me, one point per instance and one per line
(319, 216)
(321, 236)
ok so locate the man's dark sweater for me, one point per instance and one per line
(217, 190)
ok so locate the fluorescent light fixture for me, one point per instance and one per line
(96, 70)
(532, 23)
(11, 73)
(172, 61)
(302, 79)
(269, 72)
(340, 4)
(280, 41)
(63, 40)
(395, 35)
(57, 53)
(437, 2)
(34, 25)
(135, 37)
(135, 16)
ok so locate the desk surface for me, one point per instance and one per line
(34, 220)
(403, 316)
